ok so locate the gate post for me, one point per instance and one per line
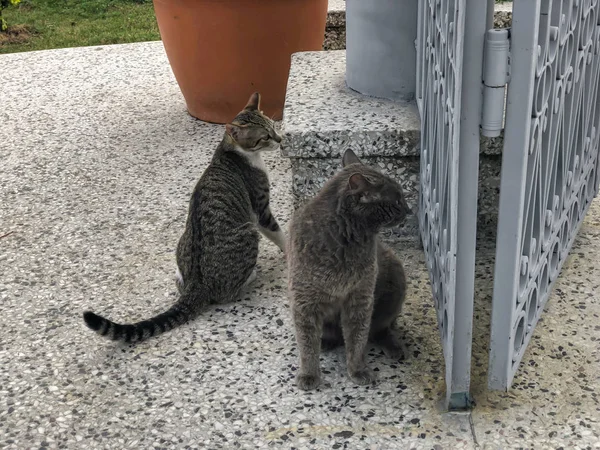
(476, 18)
(450, 42)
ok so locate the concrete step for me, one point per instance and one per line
(323, 118)
(335, 31)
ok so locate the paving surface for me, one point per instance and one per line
(97, 160)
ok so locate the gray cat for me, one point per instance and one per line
(338, 270)
(217, 253)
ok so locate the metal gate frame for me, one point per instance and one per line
(549, 165)
(449, 95)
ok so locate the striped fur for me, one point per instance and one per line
(217, 253)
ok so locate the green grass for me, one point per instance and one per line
(77, 23)
(45, 24)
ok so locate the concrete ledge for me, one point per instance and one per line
(335, 30)
(336, 16)
(322, 116)
(503, 15)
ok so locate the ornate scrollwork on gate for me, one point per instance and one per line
(562, 157)
(439, 63)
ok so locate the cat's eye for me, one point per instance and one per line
(266, 138)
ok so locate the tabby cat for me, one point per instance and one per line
(338, 270)
(217, 253)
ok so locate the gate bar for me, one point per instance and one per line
(468, 166)
(524, 46)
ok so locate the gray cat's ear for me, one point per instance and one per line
(253, 102)
(358, 182)
(350, 158)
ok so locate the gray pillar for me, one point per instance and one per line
(380, 47)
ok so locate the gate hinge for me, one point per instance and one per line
(495, 77)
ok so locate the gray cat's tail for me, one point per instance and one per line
(175, 316)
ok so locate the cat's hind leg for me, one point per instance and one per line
(332, 337)
(331, 344)
(390, 343)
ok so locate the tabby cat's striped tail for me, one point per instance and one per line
(175, 316)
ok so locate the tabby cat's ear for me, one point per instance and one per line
(237, 132)
(350, 158)
(253, 102)
(358, 182)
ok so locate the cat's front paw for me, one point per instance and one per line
(363, 376)
(281, 242)
(307, 382)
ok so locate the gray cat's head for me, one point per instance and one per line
(370, 195)
(251, 130)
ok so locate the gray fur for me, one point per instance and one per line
(334, 258)
(217, 253)
(390, 292)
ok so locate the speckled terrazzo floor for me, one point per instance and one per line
(97, 159)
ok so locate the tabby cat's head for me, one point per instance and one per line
(370, 195)
(252, 130)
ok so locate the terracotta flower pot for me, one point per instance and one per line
(223, 50)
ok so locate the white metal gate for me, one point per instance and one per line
(549, 166)
(450, 115)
